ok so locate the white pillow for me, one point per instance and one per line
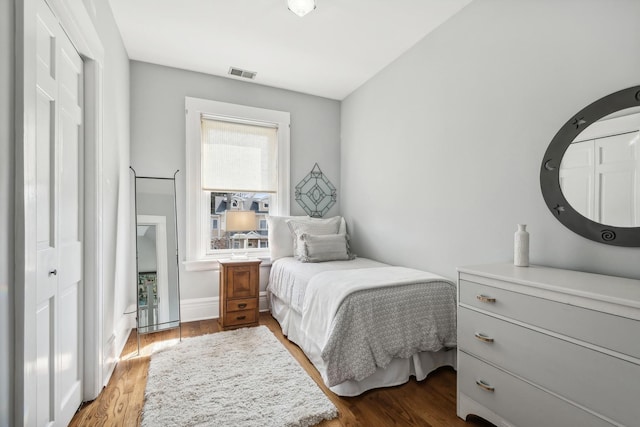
(280, 240)
(315, 226)
(327, 247)
(343, 227)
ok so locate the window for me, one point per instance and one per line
(237, 174)
(232, 236)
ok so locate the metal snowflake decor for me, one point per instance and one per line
(315, 193)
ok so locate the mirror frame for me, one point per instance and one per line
(171, 324)
(550, 171)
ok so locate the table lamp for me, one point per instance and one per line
(239, 221)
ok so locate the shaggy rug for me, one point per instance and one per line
(238, 378)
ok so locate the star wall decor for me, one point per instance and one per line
(315, 193)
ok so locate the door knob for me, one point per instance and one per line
(53, 272)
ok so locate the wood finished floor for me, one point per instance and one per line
(431, 402)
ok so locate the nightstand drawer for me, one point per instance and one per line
(515, 400)
(552, 315)
(577, 373)
(242, 317)
(242, 304)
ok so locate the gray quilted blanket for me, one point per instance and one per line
(362, 319)
(372, 327)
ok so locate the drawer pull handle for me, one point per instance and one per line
(241, 317)
(485, 386)
(484, 298)
(242, 305)
(484, 338)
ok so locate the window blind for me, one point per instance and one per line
(239, 157)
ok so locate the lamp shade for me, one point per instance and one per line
(241, 220)
(301, 7)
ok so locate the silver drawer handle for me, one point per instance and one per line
(482, 337)
(485, 386)
(484, 298)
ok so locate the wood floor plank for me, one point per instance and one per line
(428, 403)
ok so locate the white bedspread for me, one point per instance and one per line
(289, 277)
(327, 290)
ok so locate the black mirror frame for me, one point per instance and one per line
(550, 172)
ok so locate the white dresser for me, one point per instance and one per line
(541, 346)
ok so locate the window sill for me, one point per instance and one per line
(211, 263)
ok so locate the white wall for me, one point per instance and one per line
(119, 278)
(7, 204)
(158, 138)
(441, 150)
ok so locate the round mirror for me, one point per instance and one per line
(590, 174)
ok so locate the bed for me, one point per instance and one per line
(363, 324)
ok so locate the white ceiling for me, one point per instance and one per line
(330, 52)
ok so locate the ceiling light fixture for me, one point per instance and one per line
(301, 7)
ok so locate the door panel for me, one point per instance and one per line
(44, 153)
(616, 184)
(46, 258)
(59, 223)
(576, 177)
(44, 364)
(69, 350)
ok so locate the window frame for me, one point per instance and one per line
(197, 218)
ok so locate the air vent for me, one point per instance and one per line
(238, 72)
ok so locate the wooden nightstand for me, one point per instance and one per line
(239, 287)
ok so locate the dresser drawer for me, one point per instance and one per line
(241, 318)
(242, 304)
(577, 373)
(517, 401)
(601, 329)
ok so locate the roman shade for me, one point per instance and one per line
(239, 156)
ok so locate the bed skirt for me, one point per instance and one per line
(397, 372)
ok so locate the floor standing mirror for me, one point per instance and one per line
(158, 283)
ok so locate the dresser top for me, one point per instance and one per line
(612, 289)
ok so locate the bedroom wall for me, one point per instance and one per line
(7, 182)
(441, 151)
(158, 139)
(118, 270)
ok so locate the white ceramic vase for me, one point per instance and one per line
(521, 246)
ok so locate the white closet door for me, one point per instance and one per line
(616, 173)
(59, 245)
(576, 177)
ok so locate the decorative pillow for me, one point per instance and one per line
(326, 247)
(342, 229)
(315, 226)
(280, 240)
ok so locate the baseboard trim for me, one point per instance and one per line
(114, 347)
(195, 309)
(199, 309)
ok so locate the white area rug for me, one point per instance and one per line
(238, 378)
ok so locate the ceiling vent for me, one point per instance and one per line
(238, 72)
